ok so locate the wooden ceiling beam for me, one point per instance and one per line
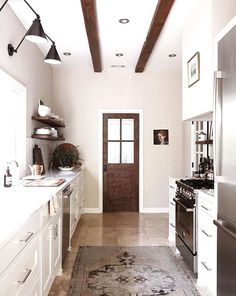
(90, 21)
(158, 21)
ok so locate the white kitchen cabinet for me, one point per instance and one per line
(172, 189)
(23, 271)
(51, 249)
(81, 186)
(77, 199)
(74, 208)
(207, 241)
(24, 235)
(36, 288)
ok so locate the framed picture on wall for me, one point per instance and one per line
(194, 69)
(161, 137)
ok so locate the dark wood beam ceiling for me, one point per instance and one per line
(90, 21)
(158, 21)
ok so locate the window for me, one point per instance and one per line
(12, 122)
(120, 140)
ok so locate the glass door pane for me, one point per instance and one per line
(127, 152)
(127, 129)
(113, 152)
(113, 129)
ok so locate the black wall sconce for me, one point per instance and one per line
(36, 34)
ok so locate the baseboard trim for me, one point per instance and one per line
(155, 210)
(92, 211)
(144, 210)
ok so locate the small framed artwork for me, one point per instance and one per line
(161, 137)
(194, 69)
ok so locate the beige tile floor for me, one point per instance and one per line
(114, 229)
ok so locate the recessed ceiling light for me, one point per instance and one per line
(119, 54)
(172, 55)
(124, 21)
(118, 66)
(67, 53)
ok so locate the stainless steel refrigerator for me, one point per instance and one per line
(225, 161)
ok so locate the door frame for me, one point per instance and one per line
(100, 153)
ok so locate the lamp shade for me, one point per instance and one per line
(52, 56)
(36, 33)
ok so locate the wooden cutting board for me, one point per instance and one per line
(45, 183)
(37, 157)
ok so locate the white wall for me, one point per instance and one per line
(197, 36)
(28, 68)
(79, 96)
(222, 12)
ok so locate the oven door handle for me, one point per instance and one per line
(183, 206)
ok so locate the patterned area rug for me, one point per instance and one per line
(129, 271)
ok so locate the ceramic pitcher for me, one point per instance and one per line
(36, 169)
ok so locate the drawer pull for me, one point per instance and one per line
(172, 203)
(207, 234)
(29, 235)
(28, 272)
(172, 187)
(172, 225)
(205, 208)
(207, 268)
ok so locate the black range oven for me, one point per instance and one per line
(186, 218)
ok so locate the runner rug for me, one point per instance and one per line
(129, 271)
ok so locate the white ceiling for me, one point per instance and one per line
(63, 21)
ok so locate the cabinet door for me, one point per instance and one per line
(56, 255)
(46, 259)
(22, 272)
(35, 290)
(172, 189)
(73, 207)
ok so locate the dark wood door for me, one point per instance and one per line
(120, 162)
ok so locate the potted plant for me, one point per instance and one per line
(65, 156)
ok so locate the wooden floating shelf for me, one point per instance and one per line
(204, 142)
(49, 120)
(47, 137)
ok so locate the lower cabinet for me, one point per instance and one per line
(172, 189)
(22, 273)
(74, 206)
(77, 201)
(51, 242)
(207, 242)
(36, 288)
(30, 261)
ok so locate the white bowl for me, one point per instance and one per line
(43, 110)
(43, 131)
(66, 168)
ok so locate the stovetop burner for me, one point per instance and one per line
(198, 183)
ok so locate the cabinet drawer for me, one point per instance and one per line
(207, 207)
(21, 274)
(35, 290)
(207, 204)
(20, 241)
(172, 183)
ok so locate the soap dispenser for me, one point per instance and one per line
(15, 172)
(7, 178)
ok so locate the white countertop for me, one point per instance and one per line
(18, 203)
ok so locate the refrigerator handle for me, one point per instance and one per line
(220, 224)
(218, 75)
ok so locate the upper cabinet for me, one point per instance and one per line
(206, 20)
